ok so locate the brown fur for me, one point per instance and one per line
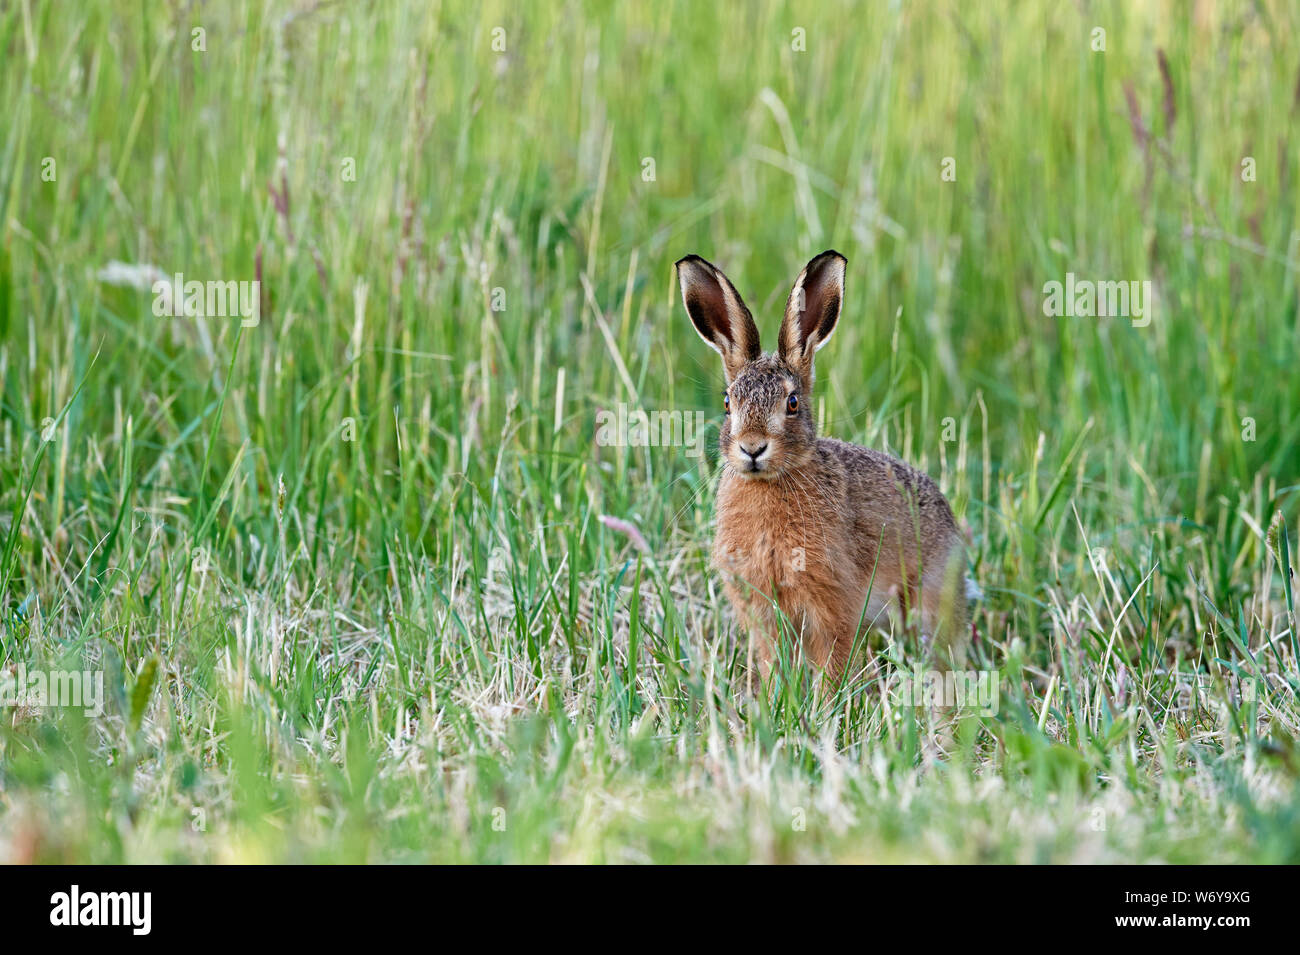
(833, 534)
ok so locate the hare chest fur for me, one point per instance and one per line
(832, 534)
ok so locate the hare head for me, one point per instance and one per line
(768, 428)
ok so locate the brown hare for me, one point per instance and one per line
(833, 534)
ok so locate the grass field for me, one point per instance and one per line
(344, 572)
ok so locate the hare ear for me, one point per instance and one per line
(718, 313)
(812, 312)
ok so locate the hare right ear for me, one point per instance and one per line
(718, 313)
(812, 312)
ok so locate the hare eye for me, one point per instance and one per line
(726, 403)
(792, 404)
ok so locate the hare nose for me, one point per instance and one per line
(754, 450)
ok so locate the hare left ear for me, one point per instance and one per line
(718, 313)
(812, 313)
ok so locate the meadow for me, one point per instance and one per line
(362, 584)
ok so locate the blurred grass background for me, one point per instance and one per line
(344, 569)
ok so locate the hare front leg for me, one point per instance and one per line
(945, 616)
(758, 620)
